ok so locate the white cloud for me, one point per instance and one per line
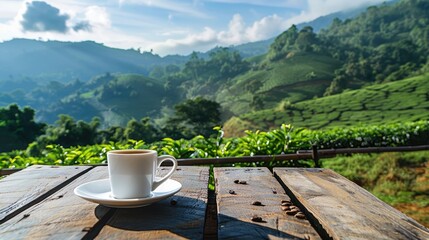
(262, 29)
(9, 9)
(266, 27)
(236, 33)
(317, 8)
(199, 42)
(174, 33)
(330, 6)
(270, 3)
(182, 7)
(97, 17)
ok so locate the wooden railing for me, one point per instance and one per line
(314, 154)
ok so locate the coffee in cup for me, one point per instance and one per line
(132, 172)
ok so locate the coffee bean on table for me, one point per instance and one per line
(300, 215)
(294, 208)
(256, 219)
(257, 203)
(231, 192)
(285, 208)
(236, 181)
(291, 212)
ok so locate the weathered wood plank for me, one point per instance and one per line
(344, 210)
(62, 215)
(164, 220)
(235, 209)
(21, 189)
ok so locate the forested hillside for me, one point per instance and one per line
(383, 44)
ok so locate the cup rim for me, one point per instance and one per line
(133, 151)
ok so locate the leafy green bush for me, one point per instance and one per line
(283, 140)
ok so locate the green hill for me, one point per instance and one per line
(298, 77)
(133, 96)
(114, 98)
(44, 61)
(400, 101)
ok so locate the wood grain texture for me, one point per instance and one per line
(164, 220)
(62, 215)
(344, 210)
(235, 209)
(32, 184)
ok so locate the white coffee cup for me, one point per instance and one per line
(132, 172)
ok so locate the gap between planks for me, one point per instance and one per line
(310, 217)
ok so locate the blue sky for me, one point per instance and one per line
(164, 26)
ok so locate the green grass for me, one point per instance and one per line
(400, 179)
(400, 101)
(87, 95)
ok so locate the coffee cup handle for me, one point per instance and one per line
(161, 159)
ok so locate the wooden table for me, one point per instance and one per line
(38, 203)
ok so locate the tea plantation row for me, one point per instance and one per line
(395, 102)
(285, 139)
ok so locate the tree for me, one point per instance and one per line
(157, 72)
(225, 63)
(283, 44)
(142, 130)
(172, 69)
(195, 117)
(194, 67)
(306, 38)
(18, 128)
(112, 134)
(68, 132)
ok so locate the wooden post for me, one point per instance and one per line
(315, 156)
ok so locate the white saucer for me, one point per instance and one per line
(99, 192)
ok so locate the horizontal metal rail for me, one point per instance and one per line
(328, 152)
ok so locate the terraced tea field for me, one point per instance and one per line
(296, 78)
(401, 101)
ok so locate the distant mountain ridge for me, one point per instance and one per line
(66, 61)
